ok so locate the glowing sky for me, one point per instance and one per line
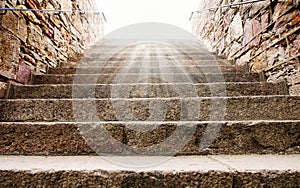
(125, 12)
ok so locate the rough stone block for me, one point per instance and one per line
(77, 23)
(256, 7)
(256, 28)
(41, 67)
(16, 24)
(58, 39)
(295, 90)
(2, 5)
(244, 59)
(265, 19)
(34, 36)
(64, 20)
(24, 72)
(236, 28)
(247, 32)
(295, 47)
(259, 63)
(48, 51)
(9, 55)
(66, 5)
(3, 89)
(235, 47)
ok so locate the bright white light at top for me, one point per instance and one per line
(121, 13)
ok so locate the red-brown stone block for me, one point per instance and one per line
(24, 72)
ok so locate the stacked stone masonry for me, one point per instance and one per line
(33, 41)
(263, 35)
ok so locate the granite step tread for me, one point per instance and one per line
(162, 109)
(151, 69)
(161, 58)
(150, 51)
(206, 171)
(146, 90)
(178, 46)
(132, 46)
(92, 62)
(121, 138)
(202, 62)
(146, 78)
(225, 163)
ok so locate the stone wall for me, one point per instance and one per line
(33, 41)
(263, 35)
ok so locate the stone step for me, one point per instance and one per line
(192, 171)
(157, 109)
(98, 57)
(111, 41)
(145, 78)
(93, 63)
(157, 46)
(149, 46)
(164, 138)
(166, 45)
(147, 90)
(149, 52)
(152, 69)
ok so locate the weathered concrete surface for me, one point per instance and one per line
(263, 35)
(61, 138)
(223, 171)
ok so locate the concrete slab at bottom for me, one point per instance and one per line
(185, 171)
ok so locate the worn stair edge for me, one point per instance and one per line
(174, 56)
(145, 90)
(67, 138)
(169, 45)
(119, 43)
(162, 58)
(91, 62)
(144, 78)
(152, 69)
(223, 171)
(183, 48)
(153, 53)
(202, 109)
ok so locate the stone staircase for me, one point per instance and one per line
(159, 114)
